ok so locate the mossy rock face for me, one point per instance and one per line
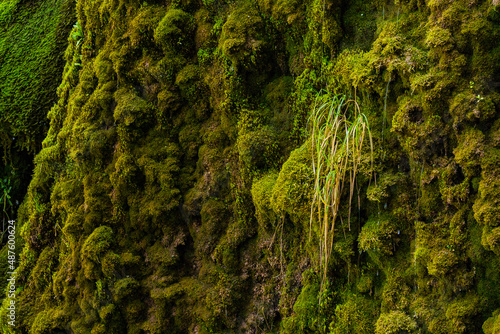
(172, 192)
(95, 247)
(356, 315)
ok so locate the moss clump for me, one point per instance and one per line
(258, 149)
(174, 32)
(378, 234)
(305, 308)
(492, 325)
(262, 190)
(292, 193)
(94, 248)
(395, 322)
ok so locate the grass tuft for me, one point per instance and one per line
(338, 132)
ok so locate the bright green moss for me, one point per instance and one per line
(492, 325)
(97, 244)
(262, 190)
(395, 322)
(30, 75)
(439, 37)
(376, 235)
(305, 308)
(292, 192)
(356, 315)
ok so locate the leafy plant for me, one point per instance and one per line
(77, 34)
(338, 134)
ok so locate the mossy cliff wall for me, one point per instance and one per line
(173, 189)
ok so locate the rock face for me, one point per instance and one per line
(173, 189)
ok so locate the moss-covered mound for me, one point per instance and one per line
(173, 191)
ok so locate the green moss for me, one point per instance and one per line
(292, 192)
(376, 235)
(124, 288)
(166, 178)
(470, 149)
(262, 190)
(174, 30)
(491, 239)
(186, 81)
(395, 322)
(30, 75)
(492, 324)
(380, 191)
(305, 308)
(95, 247)
(258, 149)
(356, 315)
(243, 39)
(130, 109)
(439, 37)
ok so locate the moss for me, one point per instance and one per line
(258, 149)
(491, 239)
(166, 177)
(30, 75)
(94, 248)
(356, 315)
(130, 109)
(395, 322)
(174, 30)
(439, 37)
(242, 39)
(292, 192)
(124, 288)
(492, 324)
(186, 81)
(262, 190)
(50, 320)
(380, 191)
(213, 214)
(376, 235)
(470, 150)
(110, 264)
(305, 308)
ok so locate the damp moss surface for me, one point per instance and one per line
(174, 182)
